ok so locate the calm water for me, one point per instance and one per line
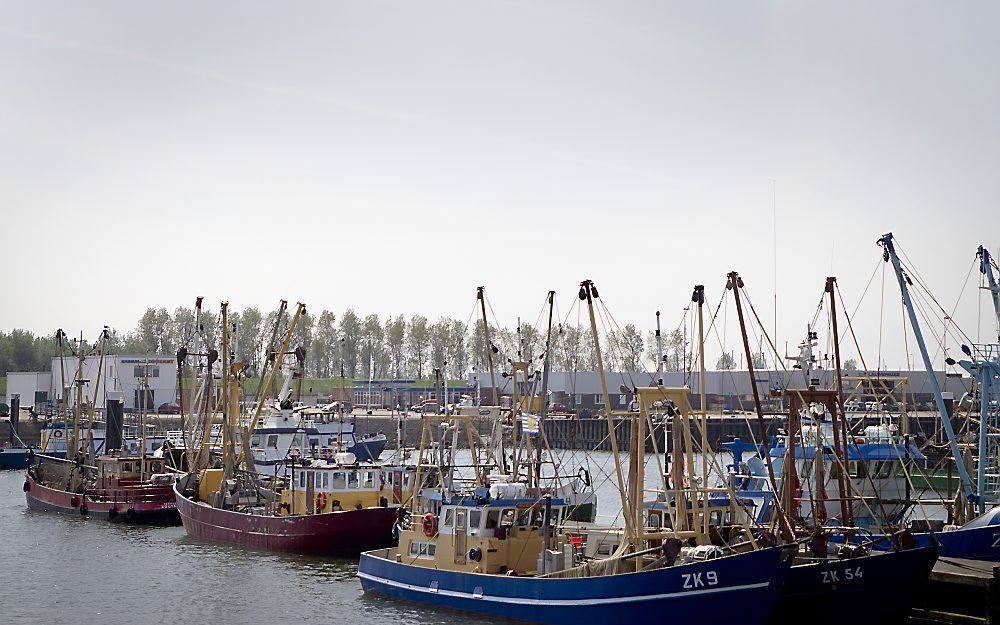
(58, 568)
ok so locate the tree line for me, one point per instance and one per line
(367, 346)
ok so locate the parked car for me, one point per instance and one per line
(428, 406)
(169, 408)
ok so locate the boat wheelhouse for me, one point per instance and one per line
(290, 433)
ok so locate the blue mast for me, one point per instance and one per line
(890, 255)
(986, 267)
(984, 365)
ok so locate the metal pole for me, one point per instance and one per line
(890, 255)
(735, 282)
(589, 293)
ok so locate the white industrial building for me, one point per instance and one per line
(32, 387)
(126, 374)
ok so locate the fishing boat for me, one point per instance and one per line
(335, 508)
(132, 489)
(118, 485)
(324, 506)
(496, 549)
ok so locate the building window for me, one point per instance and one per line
(578, 399)
(139, 371)
(598, 400)
(621, 400)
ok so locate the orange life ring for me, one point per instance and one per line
(326, 452)
(430, 525)
(321, 501)
(294, 453)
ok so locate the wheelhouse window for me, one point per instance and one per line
(326, 480)
(353, 479)
(272, 441)
(492, 519)
(422, 549)
(449, 517)
(339, 481)
(369, 479)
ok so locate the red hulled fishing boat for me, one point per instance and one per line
(133, 490)
(334, 533)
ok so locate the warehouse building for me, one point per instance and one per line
(127, 374)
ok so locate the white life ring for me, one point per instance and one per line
(57, 433)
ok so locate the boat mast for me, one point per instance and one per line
(986, 267)
(63, 390)
(698, 297)
(588, 293)
(228, 419)
(736, 283)
(544, 409)
(79, 398)
(93, 402)
(489, 345)
(839, 416)
(340, 402)
(889, 255)
(984, 365)
(659, 352)
(142, 422)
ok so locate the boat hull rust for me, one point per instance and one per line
(881, 587)
(343, 533)
(742, 589)
(147, 505)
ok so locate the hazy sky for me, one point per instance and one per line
(392, 156)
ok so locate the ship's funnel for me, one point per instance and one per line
(115, 418)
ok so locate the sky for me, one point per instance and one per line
(390, 157)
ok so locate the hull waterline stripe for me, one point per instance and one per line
(557, 602)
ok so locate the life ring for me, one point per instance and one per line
(83, 508)
(430, 525)
(27, 486)
(475, 554)
(326, 453)
(320, 502)
(294, 453)
(57, 433)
